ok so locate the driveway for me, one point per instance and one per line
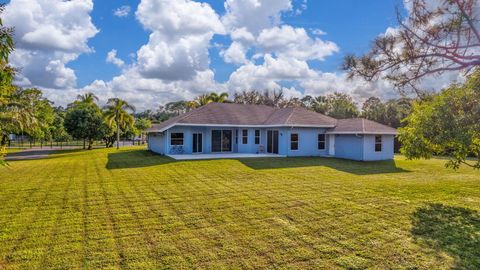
(33, 153)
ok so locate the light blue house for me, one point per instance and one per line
(221, 130)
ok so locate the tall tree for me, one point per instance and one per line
(10, 112)
(447, 124)
(34, 106)
(200, 101)
(222, 97)
(248, 97)
(396, 110)
(341, 106)
(374, 109)
(141, 124)
(319, 104)
(87, 98)
(436, 37)
(204, 99)
(175, 107)
(57, 129)
(119, 111)
(84, 121)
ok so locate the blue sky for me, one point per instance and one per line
(349, 26)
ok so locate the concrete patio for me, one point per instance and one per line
(222, 155)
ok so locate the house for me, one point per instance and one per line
(251, 130)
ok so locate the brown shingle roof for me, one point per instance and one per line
(360, 126)
(259, 115)
(247, 115)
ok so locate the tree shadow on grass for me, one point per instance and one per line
(135, 159)
(454, 230)
(349, 166)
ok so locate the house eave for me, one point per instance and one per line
(362, 133)
(240, 126)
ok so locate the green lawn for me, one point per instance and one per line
(130, 209)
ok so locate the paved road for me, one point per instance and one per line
(32, 153)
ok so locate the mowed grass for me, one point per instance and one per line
(130, 209)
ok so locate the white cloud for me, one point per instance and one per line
(112, 58)
(148, 93)
(174, 64)
(254, 15)
(122, 11)
(269, 74)
(294, 42)
(318, 32)
(235, 53)
(48, 35)
(181, 32)
(301, 8)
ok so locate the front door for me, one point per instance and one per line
(197, 145)
(272, 141)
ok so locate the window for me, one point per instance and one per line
(257, 136)
(321, 141)
(378, 143)
(176, 139)
(245, 136)
(294, 141)
(236, 136)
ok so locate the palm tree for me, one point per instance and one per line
(200, 101)
(87, 98)
(207, 98)
(117, 111)
(214, 97)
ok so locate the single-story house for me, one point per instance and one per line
(228, 128)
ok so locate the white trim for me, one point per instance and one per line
(278, 139)
(238, 126)
(363, 133)
(203, 145)
(375, 144)
(331, 144)
(324, 142)
(259, 136)
(298, 141)
(243, 136)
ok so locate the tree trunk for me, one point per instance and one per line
(90, 144)
(118, 136)
(3, 149)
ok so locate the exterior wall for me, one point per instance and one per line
(369, 148)
(349, 146)
(307, 142)
(156, 143)
(362, 147)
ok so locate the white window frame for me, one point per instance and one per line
(378, 143)
(257, 137)
(297, 141)
(324, 141)
(244, 137)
